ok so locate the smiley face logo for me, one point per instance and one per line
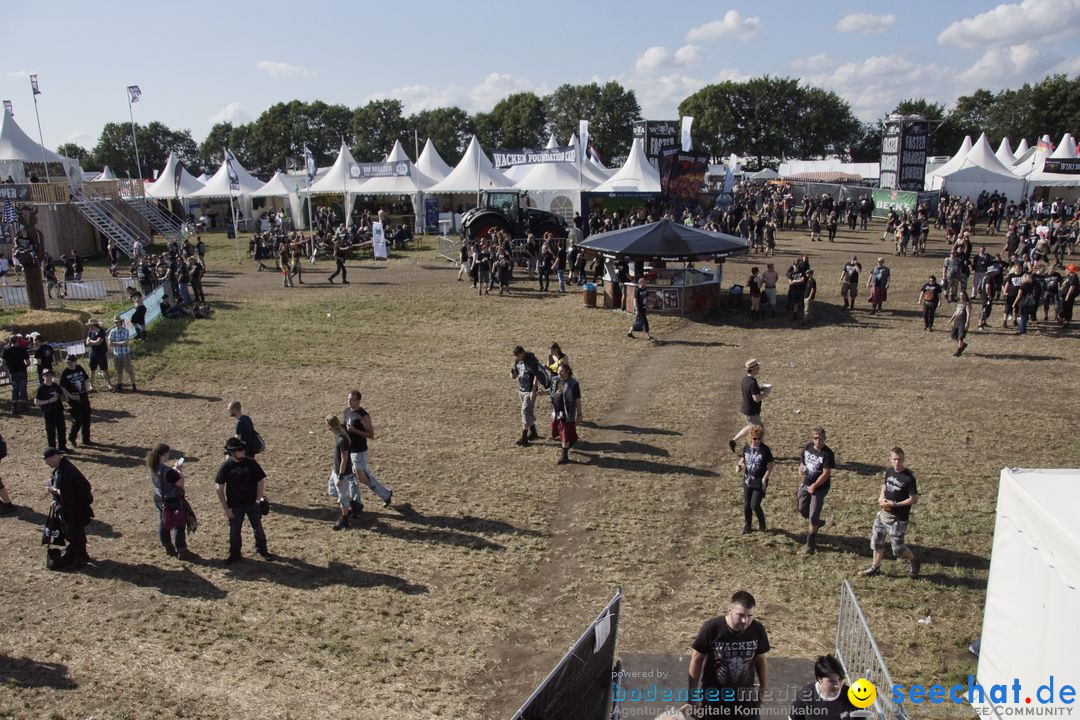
(862, 693)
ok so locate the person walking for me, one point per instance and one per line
(641, 317)
(960, 322)
(878, 284)
(245, 431)
(756, 464)
(49, 398)
(17, 361)
(339, 263)
(816, 463)
(753, 393)
(527, 372)
(6, 506)
(343, 481)
(358, 424)
(74, 498)
(43, 353)
(899, 493)
(929, 297)
(849, 282)
(770, 277)
(74, 381)
(240, 487)
(99, 353)
(168, 483)
(119, 339)
(566, 409)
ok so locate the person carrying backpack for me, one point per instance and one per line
(530, 377)
(245, 430)
(72, 492)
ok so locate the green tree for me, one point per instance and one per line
(376, 127)
(280, 132)
(156, 141)
(945, 135)
(517, 120)
(75, 152)
(449, 129)
(224, 135)
(610, 109)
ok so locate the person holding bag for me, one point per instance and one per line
(169, 500)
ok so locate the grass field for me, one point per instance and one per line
(456, 601)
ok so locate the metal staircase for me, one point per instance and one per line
(110, 221)
(163, 223)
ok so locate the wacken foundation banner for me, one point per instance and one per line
(682, 174)
(505, 157)
(362, 171)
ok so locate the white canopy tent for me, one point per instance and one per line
(431, 165)
(1031, 629)
(337, 180)
(164, 188)
(204, 178)
(474, 173)
(981, 170)
(932, 182)
(555, 187)
(410, 184)
(276, 186)
(284, 189)
(105, 175)
(1039, 177)
(1021, 148)
(17, 149)
(766, 174)
(591, 168)
(218, 188)
(636, 174)
(1005, 153)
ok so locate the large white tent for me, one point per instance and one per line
(431, 165)
(17, 149)
(283, 188)
(556, 187)
(932, 181)
(636, 174)
(1005, 153)
(1021, 148)
(338, 180)
(399, 184)
(1040, 177)
(219, 186)
(981, 170)
(277, 186)
(164, 188)
(475, 172)
(1031, 630)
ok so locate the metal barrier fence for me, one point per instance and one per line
(449, 248)
(15, 295)
(858, 652)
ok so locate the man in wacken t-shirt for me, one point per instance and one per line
(729, 656)
(816, 463)
(898, 494)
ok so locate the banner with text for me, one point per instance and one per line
(504, 157)
(363, 171)
(682, 174)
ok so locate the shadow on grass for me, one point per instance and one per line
(632, 429)
(121, 456)
(96, 528)
(437, 267)
(98, 415)
(860, 468)
(374, 523)
(623, 446)
(695, 343)
(643, 466)
(177, 582)
(464, 523)
(328, 513)
(24, 672)
(296, 573)
(1017, 356)
(178, 395)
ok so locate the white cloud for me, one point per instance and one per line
(1014, 24)
(689, 55)
(233, 113)
(875, 85)
(1068, 66)
(730, 75)
(416, 98)
(733, 25)
(865, 23)
(283, 70)
(658, 58)
(18, 73)
(496, 86)
(815, 63)
(999, 66)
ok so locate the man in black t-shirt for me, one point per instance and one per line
(74, 380)
(240, 485)
(729, 656)
(42, 352)
(526, 371)
(358, 424)
(898, 494)
(48, 398)
(827, 698)
(641, 316)
(849, 282)
(752, 395)
(17, 359)
(816, 463)
(929, 297)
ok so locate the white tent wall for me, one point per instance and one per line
(1031, 628)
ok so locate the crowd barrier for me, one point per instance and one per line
(858, 652)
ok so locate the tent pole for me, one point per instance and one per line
(41, 138)
(134, 142)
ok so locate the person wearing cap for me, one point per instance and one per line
(240, 486)
(74, 381)
(49, 398)
(43, 353)
(99, 353)
(71, 490)
(878, 283)
(1070, 288)
(752, 395)
(16, 358)
(849, 282)
(119, 339)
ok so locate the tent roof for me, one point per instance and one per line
(636, 174)
(463, 178)
(337, 180)
(554, 176)
(106, 174)
(431, 164)
(664, 239)
(1005, 153)
(1066, 149)
(218, 185)
(17, 145)
(1040, 504)
(1021, 148)
(516, 172)
(956, 161)
(164, 188)
(277, 186)
(766, 174)
(552, 142)
(204, 177)
(980, 155)
(397, 154)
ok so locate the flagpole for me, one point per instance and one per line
(477, 171)
(131, 114)
(232, 208)
(418, 206)
(41, 137)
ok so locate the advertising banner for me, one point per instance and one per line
(506, 157)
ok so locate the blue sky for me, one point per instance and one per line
(200, 62)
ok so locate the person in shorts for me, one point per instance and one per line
(99, 352)
(752, 395)
(849, 282)
(899, 493)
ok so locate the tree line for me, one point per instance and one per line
(766, 118)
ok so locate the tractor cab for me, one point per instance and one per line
(506, 202)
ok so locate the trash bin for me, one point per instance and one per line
(735, 297)
(590, 294)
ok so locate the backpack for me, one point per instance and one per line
(3, 447)
(260, 444)
(541, 373)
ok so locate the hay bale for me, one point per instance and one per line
(54, 325)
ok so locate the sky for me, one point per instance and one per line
(199, 63)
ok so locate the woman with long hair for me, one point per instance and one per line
(168, 485)
(343, 483)
(566, 407)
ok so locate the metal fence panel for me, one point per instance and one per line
(86, 290)
(14, 296)
(858, 652)
(449, 248)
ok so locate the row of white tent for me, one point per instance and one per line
(977, 167)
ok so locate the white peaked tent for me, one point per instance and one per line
(164, 187)
(431, 164)
(1021, 148)
(337, 180)
(1034, 563)
(474, 172)
(106, 174)
(555, 187)
(591, 169)
(397, 153)
(981, 170)
(400, 184)
(931, 177)
(552, 143)
(277, 186)
(218, 185)
(1032, 161)
(1039, 177)
(283, 189)
(636, 174)
(17, 149)
(1005, 153)
(204, 178)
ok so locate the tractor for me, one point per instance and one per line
(508, 210)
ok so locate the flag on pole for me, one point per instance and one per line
(8, 109)
(583, 138)
(687, 142)
(34, 85)
(134, 93)
(309, 163)
(234, 178)
(178, 175)
(595, 156)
